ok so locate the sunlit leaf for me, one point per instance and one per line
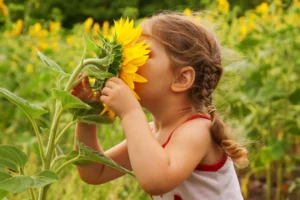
(30, 109)
(44, 178)
(87, 155)
(12, 158)
(16, 184)
(3, 176)
(3, 194)
(50, 63)
(69, 101)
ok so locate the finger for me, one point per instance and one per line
(105, 91)
(103, 99)
(116, 80)
(110, 84)
(86, 83)
(73, 92)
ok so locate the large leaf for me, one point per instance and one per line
(12, 158)
(51, 64)
(87, 155)
(69, 101)
(16, 184)
(44, 178)
(3, 176)
(3, 194)
(30, 109)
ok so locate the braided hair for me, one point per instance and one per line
(190, 44)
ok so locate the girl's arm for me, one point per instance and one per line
(97, 173)
(157, 169)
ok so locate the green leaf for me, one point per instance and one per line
(69, 101)
(295, 97)
(16, 184)
(248, 42)
(279, 149)
(87, 155)
(3, 194)
(4, 176)
(51, 64)
(265, 155)
(12, 158)
(97, 73)
(95, 119)
(91, 116)
(30, 109)
(44, 178)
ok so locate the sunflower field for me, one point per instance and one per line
(259, 96)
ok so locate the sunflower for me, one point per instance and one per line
(122, 55)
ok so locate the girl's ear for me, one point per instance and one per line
(184, 79)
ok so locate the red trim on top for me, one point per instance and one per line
(189, 119)
(177, 197)
(213, 167)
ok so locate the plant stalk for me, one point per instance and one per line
(269, 182)
(63, 131)
(53, 130)
(279, 180)
(38, 135)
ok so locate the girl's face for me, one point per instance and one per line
(157, 71)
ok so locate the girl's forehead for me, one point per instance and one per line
(146, 27)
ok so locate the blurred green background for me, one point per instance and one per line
(258, 96)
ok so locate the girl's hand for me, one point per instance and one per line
(84, 91)
(119, 97)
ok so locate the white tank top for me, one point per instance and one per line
(207, 182)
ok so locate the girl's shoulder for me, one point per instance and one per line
(193, 133)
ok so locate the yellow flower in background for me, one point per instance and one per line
(70, 39)
(243, 31)
(134, 52)
(223, 6)
(29, 68)
(54, 26)
(3, 8)
(17, 29)
(263, 8)
(187, 12)
(88, 24)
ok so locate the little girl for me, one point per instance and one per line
(185, 153)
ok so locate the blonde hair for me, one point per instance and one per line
(190, 44)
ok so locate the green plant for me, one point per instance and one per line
(12, 159)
